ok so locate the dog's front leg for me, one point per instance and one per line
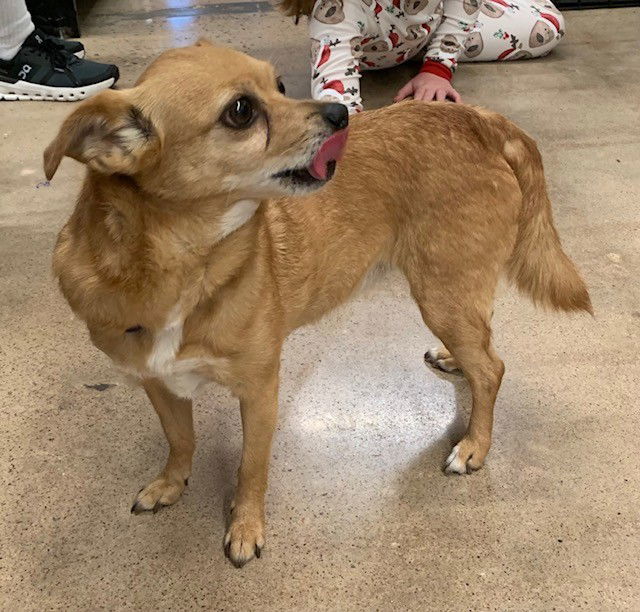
(177, 421)
(259, 408)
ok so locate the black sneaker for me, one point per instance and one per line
(70, 46)
(44, 70)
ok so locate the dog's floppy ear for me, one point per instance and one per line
(108, 133)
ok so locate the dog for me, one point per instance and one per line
(217, 215)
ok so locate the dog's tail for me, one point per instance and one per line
(538, 266)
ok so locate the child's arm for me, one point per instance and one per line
(441, 59)
(335, 53)
(449, 38)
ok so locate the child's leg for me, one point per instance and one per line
(514, 29)
(15, 26)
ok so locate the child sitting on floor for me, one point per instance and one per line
(348, 36)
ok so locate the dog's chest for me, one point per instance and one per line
(182, 376)
(166, 342)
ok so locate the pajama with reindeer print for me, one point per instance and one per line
(348, 36)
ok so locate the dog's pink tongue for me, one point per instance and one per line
(331, 150)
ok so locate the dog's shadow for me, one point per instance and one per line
(225, 454)
(417, 481)
(434, 455)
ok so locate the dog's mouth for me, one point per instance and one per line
(322, 166)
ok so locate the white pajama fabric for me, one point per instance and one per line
(348, 36)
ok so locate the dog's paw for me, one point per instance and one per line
(466, 456)
(244, 540)
(441, 359)
(161, 492)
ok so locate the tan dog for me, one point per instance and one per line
(186, 270)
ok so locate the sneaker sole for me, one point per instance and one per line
(22, 90)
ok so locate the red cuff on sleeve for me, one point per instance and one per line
(438, 69)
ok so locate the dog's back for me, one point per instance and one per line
(472, 193)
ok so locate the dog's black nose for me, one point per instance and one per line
(336, 115)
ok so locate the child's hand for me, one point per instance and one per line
(427, 87)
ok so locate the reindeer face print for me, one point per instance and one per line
(439, 12)
(329, 11)
(412, 7)
(356, 46)
(491, 10)
(416, 32)
(541, 35)
(376, 46)
(470, 6)
(449, 44)
(321, 52)
(473, 45)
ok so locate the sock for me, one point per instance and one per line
(15, 26)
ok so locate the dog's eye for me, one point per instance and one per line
(281, 87)
(240, 114)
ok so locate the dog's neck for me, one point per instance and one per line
(139, 234)
(209, 221)
(236, 216)
(125, 258)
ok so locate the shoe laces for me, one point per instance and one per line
(51, 50)
(55, 52)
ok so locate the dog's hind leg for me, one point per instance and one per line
(441, 359)
(456, 306)
(177, 421)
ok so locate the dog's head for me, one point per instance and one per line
(206, 121)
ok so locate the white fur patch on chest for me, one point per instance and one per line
(236, 216)
(179, 376)
(166, 343)
(183, 379)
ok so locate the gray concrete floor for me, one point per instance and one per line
(360, 517)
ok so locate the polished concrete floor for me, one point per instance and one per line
(360, 516)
